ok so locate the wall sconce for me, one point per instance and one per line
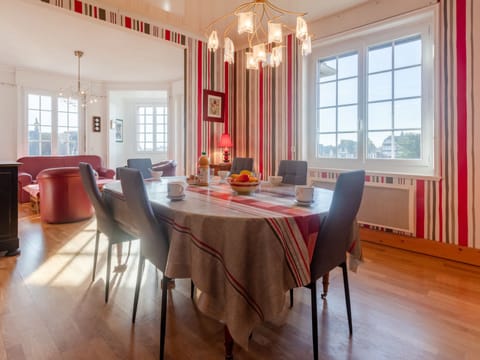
(225, 143)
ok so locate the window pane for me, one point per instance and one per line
(73, 120)
(380, 115)
(33, 101)
(148, 146)
(46, 103)
(347, 92)
(380, 58)
(327, 94)
(149, 119)
(327, 70)
(149, 110)
(380, 145)
(327, 120)
(63, 104)
(149, 129)
(408, 82)
(347, 66)
(46, 118)
(407, 145)
(33, 117)
(380, 86)
(347, 118)
(327, 145)
(408, 52)
(33, 133)
(408, 114)
(62, 119)
(347, 146)
(46, 148)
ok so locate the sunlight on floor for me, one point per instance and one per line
(67, 266)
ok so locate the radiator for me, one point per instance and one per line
(388, 206)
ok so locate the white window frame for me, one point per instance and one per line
(154, 104)
(55, 97)
(422, 22)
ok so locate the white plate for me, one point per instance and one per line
(176, 198)
(304, 203)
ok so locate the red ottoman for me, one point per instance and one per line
(62, 197)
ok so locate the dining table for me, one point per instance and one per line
(242, 252)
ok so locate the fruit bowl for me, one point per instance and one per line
(244, 187)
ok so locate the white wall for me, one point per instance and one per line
(8, 114)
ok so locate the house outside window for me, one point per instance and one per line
(152, 128)
(52, 125)
(374, 98)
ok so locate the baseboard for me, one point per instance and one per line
(423, 246)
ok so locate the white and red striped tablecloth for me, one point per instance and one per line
(243, 252)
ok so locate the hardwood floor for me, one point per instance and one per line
(404, 306)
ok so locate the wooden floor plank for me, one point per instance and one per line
(404, 305)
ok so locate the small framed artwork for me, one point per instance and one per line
(118, 130)
(213, 105)
(96, 124)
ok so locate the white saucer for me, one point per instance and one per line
(304, 203)
(176, 198)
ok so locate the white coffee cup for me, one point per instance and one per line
(304, 193)
(176, 188)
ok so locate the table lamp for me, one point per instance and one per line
(225, 143)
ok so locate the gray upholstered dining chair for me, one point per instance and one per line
(333, 241)
(241, 163)
(142, 164)
(154, 241)
(105, 222)
(294, 172)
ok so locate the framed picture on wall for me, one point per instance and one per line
(118, 130)
(213, 105)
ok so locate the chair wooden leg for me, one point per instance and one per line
(163, 316)
(313, 293)
(141, 265)
(95, 254)
(109, 264)
(291, 298)
(347, 295)
(192, 289)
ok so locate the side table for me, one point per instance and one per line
(220, 167)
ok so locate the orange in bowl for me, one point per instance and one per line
(244, 187)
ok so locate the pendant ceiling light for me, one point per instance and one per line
(260, 20)
(78, 92)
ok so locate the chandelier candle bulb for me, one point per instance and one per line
(259, 53)
(229, 54)
(302, 31)
(275, 32)
(213, 41)
(246, 22)
(252, 64)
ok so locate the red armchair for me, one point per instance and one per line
(63, 198)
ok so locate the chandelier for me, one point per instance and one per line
(260, 20)
(78, 92)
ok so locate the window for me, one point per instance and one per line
(373, 102)
(152, 128)
(53, 126)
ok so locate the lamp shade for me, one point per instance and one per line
(225, 141)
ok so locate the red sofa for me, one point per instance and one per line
(32, 165)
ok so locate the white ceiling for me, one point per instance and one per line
(34, 35)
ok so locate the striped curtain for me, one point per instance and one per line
(266, 115)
